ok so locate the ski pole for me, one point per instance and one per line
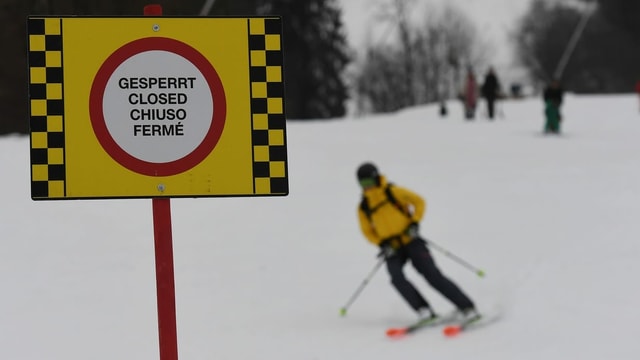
(343, 310)
(457, 259)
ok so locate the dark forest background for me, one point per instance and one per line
(606, 58)
(315, 46)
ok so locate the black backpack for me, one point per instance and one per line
(364, 204)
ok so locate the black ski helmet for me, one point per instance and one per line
(367, 171)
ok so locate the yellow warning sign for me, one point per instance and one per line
(156, 107)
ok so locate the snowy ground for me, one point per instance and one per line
(552, 220)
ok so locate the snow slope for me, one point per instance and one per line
(552, 221)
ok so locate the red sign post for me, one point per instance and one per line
(164, 279)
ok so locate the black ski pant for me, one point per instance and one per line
(416, 251)
(491, 107)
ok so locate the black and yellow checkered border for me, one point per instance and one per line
(48, 173)
(267, 106)
(46, 105)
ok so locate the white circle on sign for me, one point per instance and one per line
(157, 106)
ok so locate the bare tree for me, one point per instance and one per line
(422, 66)
(397, 14)
(448, 43)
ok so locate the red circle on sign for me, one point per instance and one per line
(96, 111)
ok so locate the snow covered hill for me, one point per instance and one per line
(551, 220)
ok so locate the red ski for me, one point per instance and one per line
(397, 332)
(453, 330)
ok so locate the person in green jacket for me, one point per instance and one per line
(389, 218)
(552, 96)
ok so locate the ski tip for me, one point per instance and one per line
(396, 332)
(343, 312)
(452, 330)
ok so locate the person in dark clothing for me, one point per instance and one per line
(389, 217)
(491, 91)
(552, 96)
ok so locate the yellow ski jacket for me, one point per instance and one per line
(388, 222)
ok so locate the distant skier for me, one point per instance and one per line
(469, 95)
(553, 95)
(491, 91)
(389, 217)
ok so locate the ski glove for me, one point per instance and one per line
(386, 250)
(412, 230)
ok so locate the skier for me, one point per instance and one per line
(552, 96)
(491, 91)
(389, 217)
(469, 95)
